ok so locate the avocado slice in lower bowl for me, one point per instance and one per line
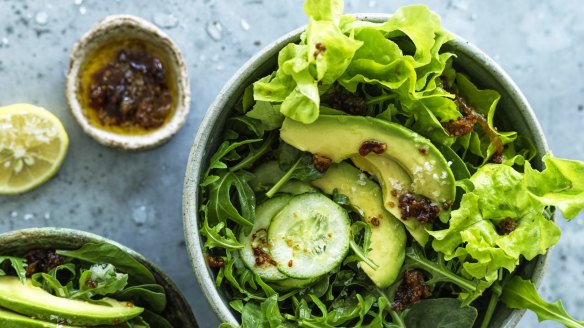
(9, 319)
(34, 301)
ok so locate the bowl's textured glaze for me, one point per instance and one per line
(115, 28)
(18, 242)
(513, 112)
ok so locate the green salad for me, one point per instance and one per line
(97, 285)
(365, 183)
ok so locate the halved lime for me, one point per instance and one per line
(33, 145)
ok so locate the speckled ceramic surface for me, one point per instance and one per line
(125, 27)
(482, 70)
(18, 242)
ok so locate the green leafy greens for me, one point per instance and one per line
(399, 71)
(96, 271)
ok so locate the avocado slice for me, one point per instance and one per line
(340, 137)
(392, 177)
(33, 301)
(9, 319)
(388, 237)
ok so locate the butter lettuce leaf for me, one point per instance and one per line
(501, 193)
(560, 185)
(308, 69)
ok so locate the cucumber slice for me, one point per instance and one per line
(309, 236)
(257, 239)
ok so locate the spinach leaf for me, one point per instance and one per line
(155, 320)
(137, 322)
(521, 294)
(107, 253)
(151, 296)
(16, 263)
(440, 313)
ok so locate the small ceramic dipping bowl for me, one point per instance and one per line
(515, 114)
(89, 59)
(17, 243)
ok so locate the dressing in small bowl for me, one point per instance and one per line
(127, 84)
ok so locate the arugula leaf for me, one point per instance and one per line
(439, 270)
(107, 253)
(16, 263)
(214, 238)
(51, 284)
(521, 294)
(303, 169)
(220, 206)
(53, 281)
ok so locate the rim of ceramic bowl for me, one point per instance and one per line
(114, 28)
(71, 238)
(212, 125)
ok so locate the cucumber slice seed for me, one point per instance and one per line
(309, 237)
(255, 253)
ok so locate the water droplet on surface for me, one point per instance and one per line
(41, 18)
(372, 4)
(244, 25)
(78, 2)
(82, 10)
(47, 216)
(140, 215)
(165, 20)
(28, 216)
(13, 214)
(214, 30)
(4, 41)
(473, 17)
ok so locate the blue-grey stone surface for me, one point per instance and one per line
(136, 198)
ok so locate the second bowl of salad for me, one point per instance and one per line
(53, 277)
(373, 170)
